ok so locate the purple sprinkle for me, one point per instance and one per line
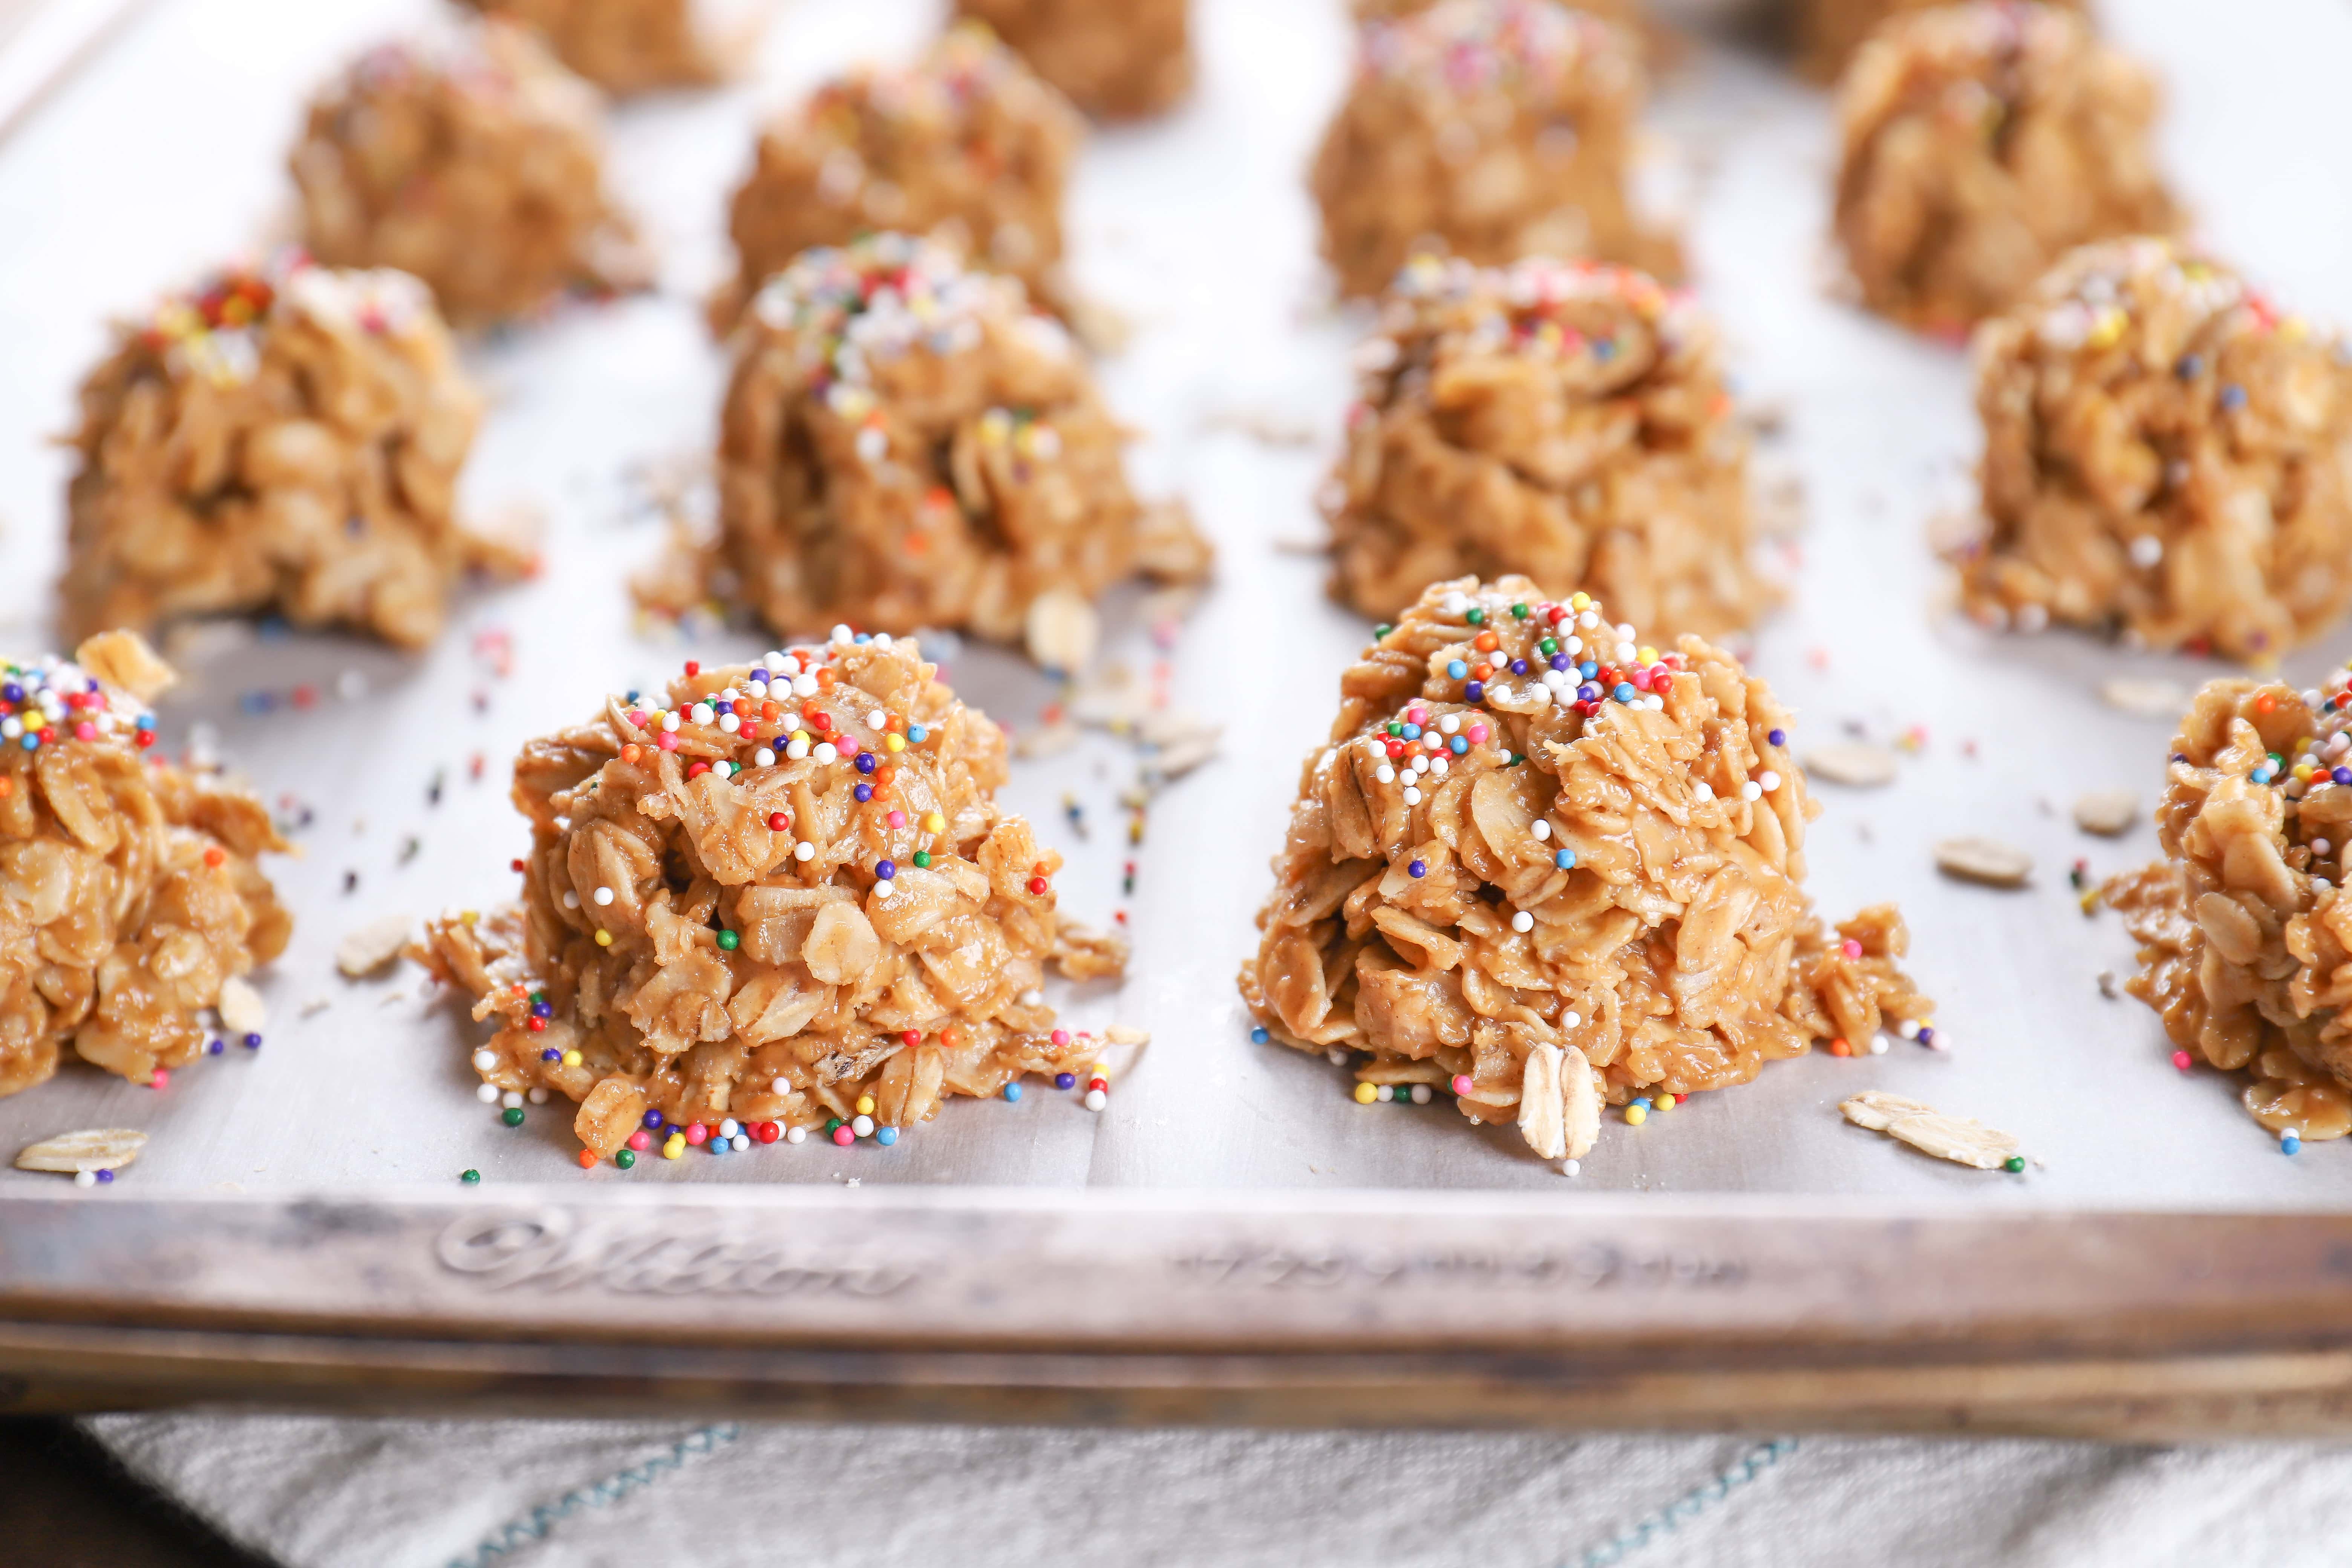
(551, 1055)
(1474, 692)
(866, 762)
(214, 1047)
(1560, 661)
(1778, 738)
(1418, 868)
(885, 869)
(1518, 667)
(652, 1119)
(1065, 1081)
(2342, 775)
(1927, 1036)
(252, 1042)
(104, 1177)
(863, 793)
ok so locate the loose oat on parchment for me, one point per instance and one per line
(1541, 867)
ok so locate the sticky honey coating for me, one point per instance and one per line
(1828, 32)
(1981, 143)
(968, 146)
(629, 46)
(906, 443)
(472, 160)
(2245, 934)
(284, 438)
(130, 886)
(1491, 129)
(1117, 59)
(1505, 872)
(2166, 455)
(1565, 421)
(799, 894)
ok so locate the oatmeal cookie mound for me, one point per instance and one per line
(2244, 929)
(774, 891)
(967, 145)
(906, 443)
(1566, 421)
(1540, 867)
(629, 46)
(282, 439)
(474, 161)
(1117, 59)
(129, 888)
(1981, 143)
(1828, 32)
(1495, 129)
(2164, 451)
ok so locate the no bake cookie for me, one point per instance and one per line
(906, 443)
(967, 146)
(130, 891)
(284, 438)
(1541, 867)
(1494, 128)
(1828, 32)
(2167, 453)
(770, 892)
(1981, 143)
(629, 46)
(1567, 421)
(1117, 59)
(472, 160)
(2244, 929)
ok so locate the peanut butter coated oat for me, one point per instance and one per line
(2167, 454)
(629, 46)
(1542, 867)
(1982, 143)
(769, 893)
(129, 890)
(1830, 31)
(1494, 128)
(1564, 421)
(968, 146)
(2245, 934)
(283, 440)
(1117, 59)
(474, 161)
(904, 445)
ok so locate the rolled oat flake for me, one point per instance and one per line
(1986, 860)
(96, 1149)
(1857, 765)
(2107, 812)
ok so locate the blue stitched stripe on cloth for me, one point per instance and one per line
(602, 1494)
(1690, 1505)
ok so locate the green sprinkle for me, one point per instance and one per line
(1549, 647)
(626, 1159)
(1517, 758)
(1518, 612)
(922, 859)
(1396, 727)
(471, 1178)
(832, 1122)
(727, 940)
(1382, 630)
(1477, 617)
(2014, 1162)
(511, 1116)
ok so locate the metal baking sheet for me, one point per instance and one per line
(167, 154)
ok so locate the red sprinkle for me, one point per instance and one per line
(778, 822)
(587, 1159)
(767, 1133)
(1038, 885)
(214, 855)
(692, 667)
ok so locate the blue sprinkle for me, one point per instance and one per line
(31, 743)
(1457, 745)
(1258, 1037)
(1605, 349)
(257, 702)
(917, 735)
(1624, 691)
(885, 1136)
(1588, 692)
(719, 1145)
(1412, 732)
(551, 1055)
(2233, 397)
(1070, 1080)
(2190, 368)
(1778, 738)
(1455, 670)
(1587, 669)
(274, 627)
(863, 637)
(1011, 1091)
(2290, 1144)
(1417, 869)
(252, 1042)
(1565, 859)
(1643, 1101)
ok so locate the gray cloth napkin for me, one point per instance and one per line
(316, 1492)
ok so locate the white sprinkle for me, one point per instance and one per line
(804, 850)
(1626, 652)
(1097, 1100)
(512, 1099)
(1411, 795)
(882, 640)
(729, 694)
(804, 685)
(1421, 1094)
(797, 750)
(1751, 790)
(1383, 1094)
(729, 1126)
(488, 1094)
(780, 1084)
(764, 758)
(669, 722)
(795, 1134)
(1654, 704)
(729, 724)
(1571, 1019)
(1438, 765)
(1570, 1167)
(484, 1059)
(85, 1178)
(1523, 921)
(1540, 828)
(883, 889)
(876, 719)
(774, 660)
(863, 1126)
(1878, 1044)
(603, 896)
(538, 1095)
(702, 713)
(1454, 603)
(842, 634)
(1574, 646)
(742, 1140)
(1768, 780)
(1587, 620)
(2147, 550)
(826, 751)
(1702, 789)
(1449, 723)
(1908, 1028)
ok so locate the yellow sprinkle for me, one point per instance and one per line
(865, 1105)
(571, 1058)
(2089, 900)
(934, 823)
(1635, 1115)
(1100, 1069)
(894, 742)
(603, 938)
(1646, 655)
(2108, 329)
(674, 1147)
(1667, 1102)
(1580, 602)
(467, 917)
(1366, 1094)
